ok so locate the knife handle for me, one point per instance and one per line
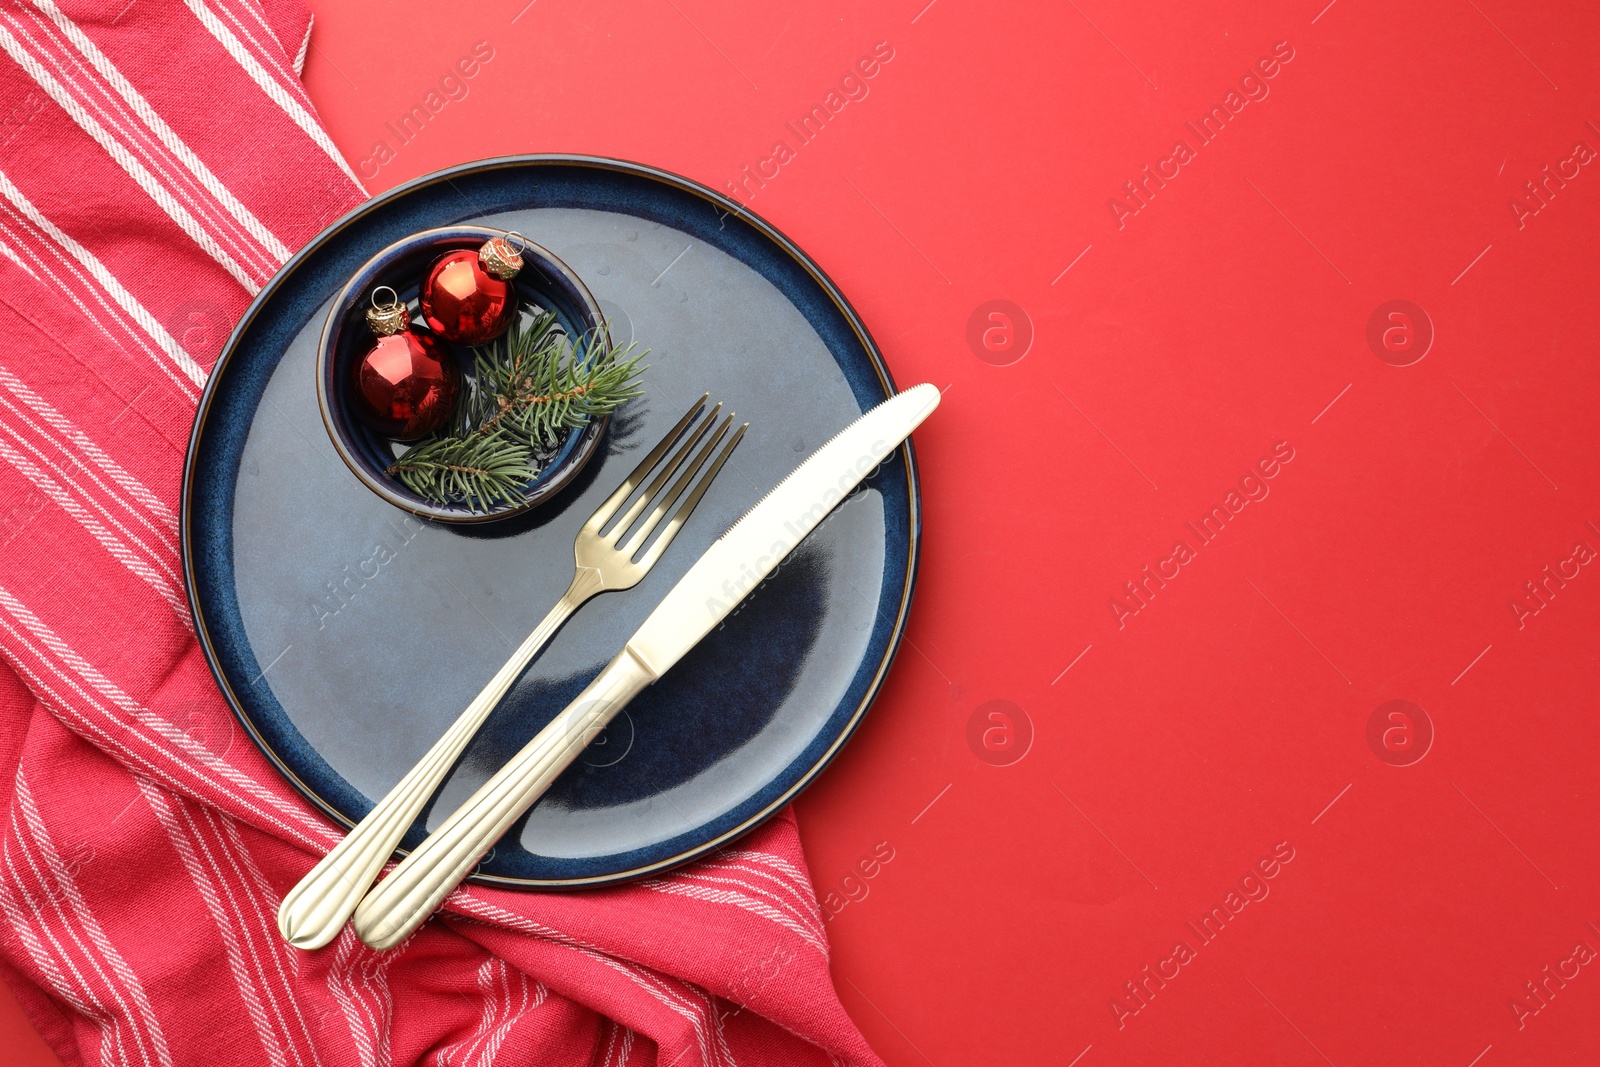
(404, 900)
(315, 910)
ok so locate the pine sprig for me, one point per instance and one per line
(481, 470)
(528, 388)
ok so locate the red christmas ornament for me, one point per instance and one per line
(468, 297)
(405, 385)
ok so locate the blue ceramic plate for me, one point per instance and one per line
(347, 634)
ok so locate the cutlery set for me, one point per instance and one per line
(614, 550)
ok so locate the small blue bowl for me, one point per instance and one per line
(544, 281)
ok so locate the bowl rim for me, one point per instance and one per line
(560, 475)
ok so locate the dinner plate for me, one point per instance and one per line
(347, 634)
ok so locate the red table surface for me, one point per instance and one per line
(1029, 882)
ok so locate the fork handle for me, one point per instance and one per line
(316, 909)
(404, 900)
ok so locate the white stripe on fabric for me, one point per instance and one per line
(85, 920)
(798, 882)
(109, 541)
(798, 900)
(111, 1050)
(125, 159)
(342, 996)
(374, 976)
(201, 819)
(47, 44)
(266, 903)
(168, 137)
(247, 18)
(305, 45)
(6, 250)
(181, 360)
(206, 887)
(754, 880)
(737, 899)
(613, 1040)
(166, 545)
(275, 92)
(608, 1043)
(60, 486)
(66, 712)
(41, 247)
(490, 1008)
(91, 925)
(491, 1047)
(675, 1000)
(351, 961)
(320, 839)
(136, 489)
(203, 823)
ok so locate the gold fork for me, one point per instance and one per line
(316, 909)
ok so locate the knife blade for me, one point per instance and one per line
(734, 565)
(738, 561)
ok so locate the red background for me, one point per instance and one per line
(1230, 713)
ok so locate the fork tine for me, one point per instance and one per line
(614, 501)
(670, 467)
(670, 531)
(665, 501)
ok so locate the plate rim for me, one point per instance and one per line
(729, 206)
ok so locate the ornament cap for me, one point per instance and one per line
(388, 316)
(501, 257)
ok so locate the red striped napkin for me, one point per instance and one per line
(156, 166)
